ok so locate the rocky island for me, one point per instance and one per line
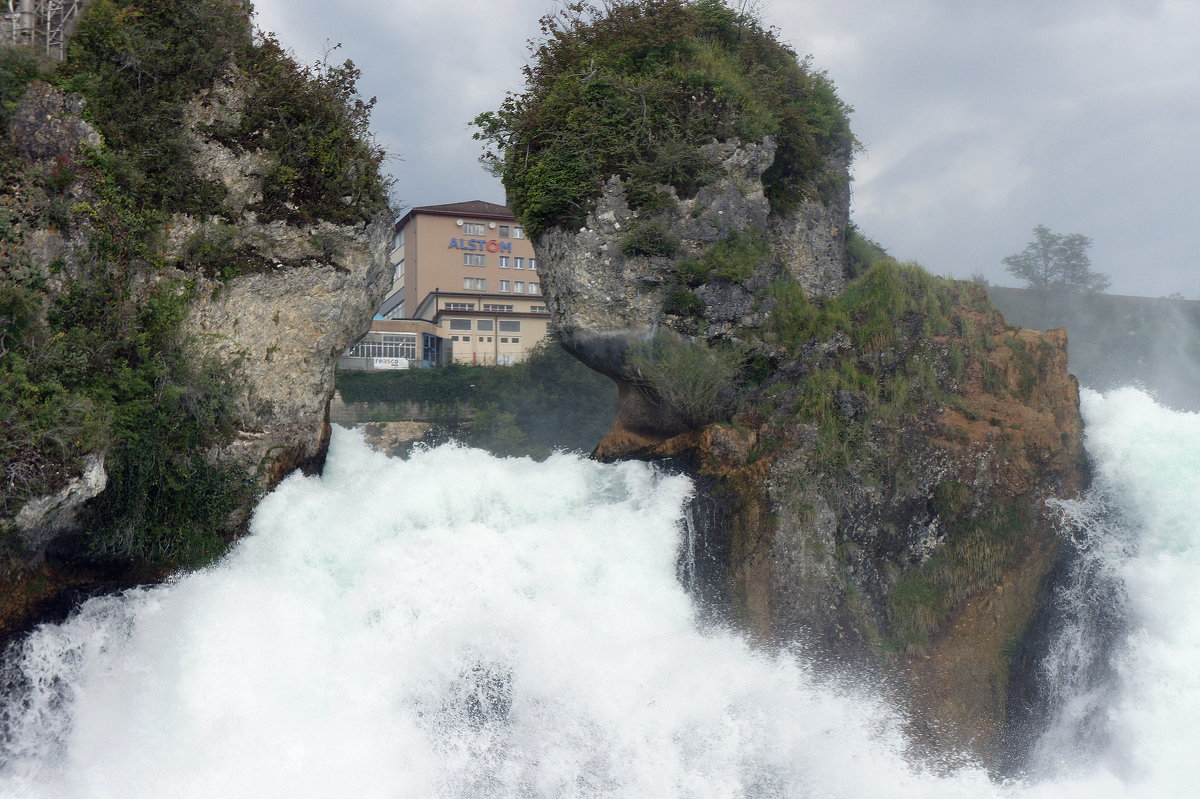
(875, 446)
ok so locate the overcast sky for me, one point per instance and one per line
(980, 118)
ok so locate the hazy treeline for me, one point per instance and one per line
(548, 402)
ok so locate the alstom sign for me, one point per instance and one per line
(491, 245)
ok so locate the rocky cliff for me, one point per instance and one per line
(177, 286)
(875, 448)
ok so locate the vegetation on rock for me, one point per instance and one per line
(694, 380)
(139, 64)
(636, 88)
(93, 359)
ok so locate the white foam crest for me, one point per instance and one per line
(454, 625)
(1149, 458)
(457, 625)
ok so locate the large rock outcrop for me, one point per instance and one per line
(171, 329)
(874, 447)
(616, 283)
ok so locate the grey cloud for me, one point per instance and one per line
(980, 119)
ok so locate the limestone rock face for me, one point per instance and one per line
(47, 124)
(279, 334)
(606, 295)
(274, 331)
(41, 520)
(596, 284)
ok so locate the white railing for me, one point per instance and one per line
(39, 24)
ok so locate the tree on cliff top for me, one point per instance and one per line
(636, 87)
(1053, 262)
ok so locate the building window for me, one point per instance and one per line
(519, 286)
(459, 306)
(534, 309)
(474, 284)
(474, 259)
(503, 340)
(460, 324)
(535, 288)
(398, 239)
(533, 264)
(510, 326)
(504, 262)
(386, 345)
(483, 324)
(504, 285)
(518, 233)
(399, 274)
(473, 228)
(504, 231)
(498, 308)
(519, 262)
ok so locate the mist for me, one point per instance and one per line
(1114, 340)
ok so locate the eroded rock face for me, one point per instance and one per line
(279, 334)
(605, 295)
(47, 124)
(43, 519)
(924, 557)
(596, 284)
(272, 323)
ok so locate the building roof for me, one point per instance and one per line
(391, 303)
(476, 208)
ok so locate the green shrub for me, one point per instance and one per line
(692, 379)
(682, 302)
(18, 68)
(140, 63)
(215, 252)
(636, 87)
(649, 238)
(733, 260)
(890, 364)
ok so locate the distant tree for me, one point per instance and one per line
(1056, 263)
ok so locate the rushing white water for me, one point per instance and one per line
(457, 625)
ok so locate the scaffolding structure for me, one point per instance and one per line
(42, 25)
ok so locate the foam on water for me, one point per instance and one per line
(457, 625)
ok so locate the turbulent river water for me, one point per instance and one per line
(458, 625)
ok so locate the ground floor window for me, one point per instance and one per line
(385, 345)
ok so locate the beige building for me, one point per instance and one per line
(467, 270)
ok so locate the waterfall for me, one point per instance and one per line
(460, 625)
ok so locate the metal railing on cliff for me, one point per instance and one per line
(42, 25)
